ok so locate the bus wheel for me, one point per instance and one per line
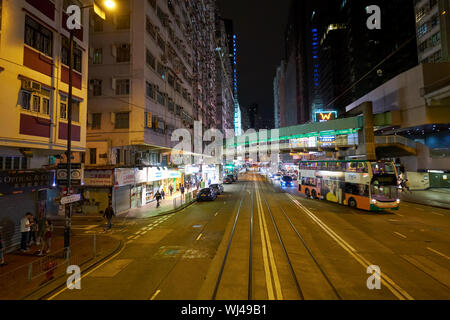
(352, 203)
(314, 194)
(307, 193)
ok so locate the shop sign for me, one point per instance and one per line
(141, 175)
(75, 169)
(191, 170)
(124, 177)
(98, 178)
(18, 181)
(174, 175)
(155, 175)
(71, 199)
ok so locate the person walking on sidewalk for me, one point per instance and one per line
(46, 241)
(171, 189)
(163, 194)
(158, 198)
(182, 192)
(25, 225)
(109, 214)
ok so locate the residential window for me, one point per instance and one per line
(75, 111)
(161, 98)
(77, 55)
(36, 107)
(123, 53)
(97, 87)
(150, 59)
(122, 87)
(171, 80)
(171, 105)
(178, 110)
(26, 100)
(150, 91)
(123, 22)
(93, 156)
(161, 70)
(161, 43)
(122, 120)
(24, 163)
(38, 37)
(8, 163)
(46, 106)
(150, 28)
(118, 156)
(16, 163)
(96, 120)
(63, 110)
(98, 56)
(152, 3)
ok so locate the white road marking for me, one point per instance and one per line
(401, 235)
(398, 214)
(215, 215)
(130, 237)
(131, 241)
(199, 236)
(155, 294)
(400, 293)
(439, 253)
(439, 214)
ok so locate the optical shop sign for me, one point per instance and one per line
(15, 181)
(124, 177)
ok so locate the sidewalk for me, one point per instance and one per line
(169, 204)
(28, 272)
(431, 197)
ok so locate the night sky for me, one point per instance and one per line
(259, 26)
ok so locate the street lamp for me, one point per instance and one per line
(109, 4)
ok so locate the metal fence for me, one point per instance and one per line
(183, 200)
(395, 140)
(25, 279)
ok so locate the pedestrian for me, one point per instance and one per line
(163, 194)
(2, 251)
(109, 214)
(33, 231)
(182, 192)
(25, 232)
(158, 198)
(46, 241)
(171, 189)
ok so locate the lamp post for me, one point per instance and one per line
(110, 5)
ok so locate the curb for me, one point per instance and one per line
(83, 269)
(165, 212)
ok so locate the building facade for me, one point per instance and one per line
(433, 30)
(34, 74)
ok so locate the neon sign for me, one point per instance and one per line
(323, 116)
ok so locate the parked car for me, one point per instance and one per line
(286, 181)
(217, 187)
(276, 176)
(207, 194)
(227, 180)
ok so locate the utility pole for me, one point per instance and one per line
(69, 143)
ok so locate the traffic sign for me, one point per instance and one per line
(71, 199)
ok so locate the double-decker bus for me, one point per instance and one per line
(367, 185)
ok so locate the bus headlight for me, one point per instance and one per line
(398, 200)
(374, 201)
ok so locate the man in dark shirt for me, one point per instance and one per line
(109, 214)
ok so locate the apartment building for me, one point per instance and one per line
(224, 80)
(152, 70)
(433, 30)
(34, 78)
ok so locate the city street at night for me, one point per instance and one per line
(225, 159)
(323, 253)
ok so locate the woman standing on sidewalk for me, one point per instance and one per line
(46, 242)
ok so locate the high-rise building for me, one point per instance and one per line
(433, 30)
(279, 96)
(147, 82)
(224, 80)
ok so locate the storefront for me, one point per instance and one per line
(124, 182)
(97, 191)
(22, 192)
(139, 190)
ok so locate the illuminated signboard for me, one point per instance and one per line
(323, 116)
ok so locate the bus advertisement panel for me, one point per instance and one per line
(367, 185)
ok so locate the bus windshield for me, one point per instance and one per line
(384, 193)
(381, 168)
